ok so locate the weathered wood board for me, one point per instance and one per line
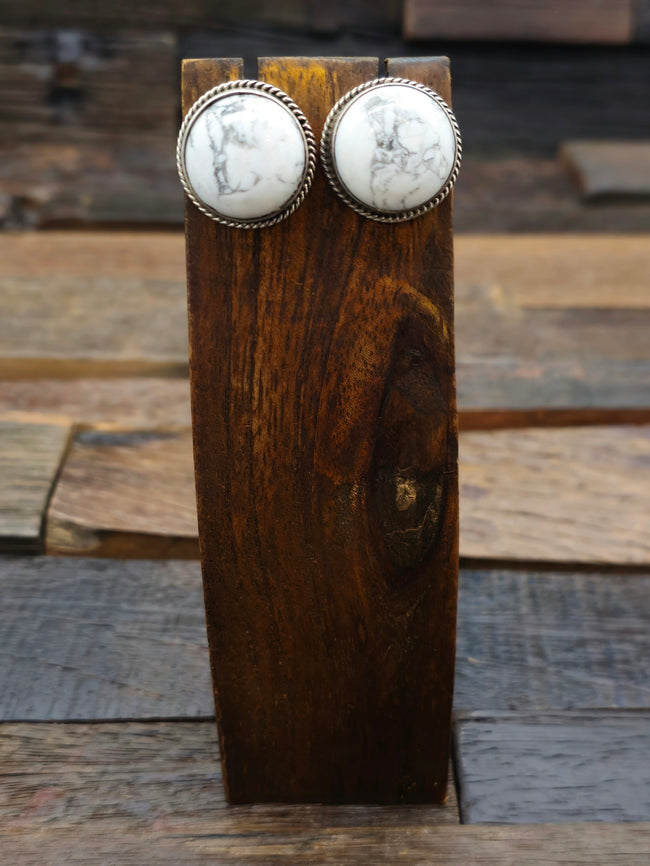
(30, 456)
(555, 768)
(98, 639)
(560, 496)
(131, 493)
(67, 315)
(525, 20)
(156, 777)
(550, 322)
(533, 641)
(568, 320)
(125, 494)
(609, 170)
(330, 607)
(138, 403)
(52, 82)
(525, 641)
(136, 792)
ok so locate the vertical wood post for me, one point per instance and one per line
(325, 441)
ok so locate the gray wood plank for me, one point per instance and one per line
(552, 640)
(30, 455)
(555, 768)
(93, 639)
(609, 170)
(102, 639)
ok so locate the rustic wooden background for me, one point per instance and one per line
(108, 742)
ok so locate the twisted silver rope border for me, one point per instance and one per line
(310, 162)
(327, 157)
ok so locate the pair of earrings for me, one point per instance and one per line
(246, 153)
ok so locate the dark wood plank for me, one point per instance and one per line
(127, 402)
(561, 347)
(54, 81)
(556, 768)
(127, 494)
(30, 456)
(306, 17)
(597, 21)
(567, 495)
(286, 420)
(609, 170)
(98, 639)
(92, 178)
(534, 641)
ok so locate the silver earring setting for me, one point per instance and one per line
(246, 154)
(391, 149)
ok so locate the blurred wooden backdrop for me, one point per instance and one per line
(89, 100)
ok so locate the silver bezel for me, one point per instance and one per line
(329, 166)
(271, 92)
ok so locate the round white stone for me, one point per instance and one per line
(393, 148)
(245, 156)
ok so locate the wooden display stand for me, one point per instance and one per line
(325, 443)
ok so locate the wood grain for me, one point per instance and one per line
(555, 768)
(155, 777)
(142, 792)
(139, 403)
(52, 82)
(92, 305)
(537, 332)
(88, 639)
(530, 641)
(125, 494)
(568, 318)
(325, 602)
(609, 170)
(526, 641)
(566, 495)
(131, 493)
(30, 456)
(596, 21)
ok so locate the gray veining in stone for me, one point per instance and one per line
(394, 148)
(245, 156)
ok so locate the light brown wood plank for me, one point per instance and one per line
(127, 402)
(106, 308)
(125, 494)
(555, 323)
(162, 781)
(598, 21)
(609, 170)
(153, 793)
(565, 495)
(558, 767)
(30, 455)
(550, 329)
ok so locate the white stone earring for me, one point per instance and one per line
(391, 149)
(246, 154)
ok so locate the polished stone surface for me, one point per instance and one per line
(245, 156)
(393, 148)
